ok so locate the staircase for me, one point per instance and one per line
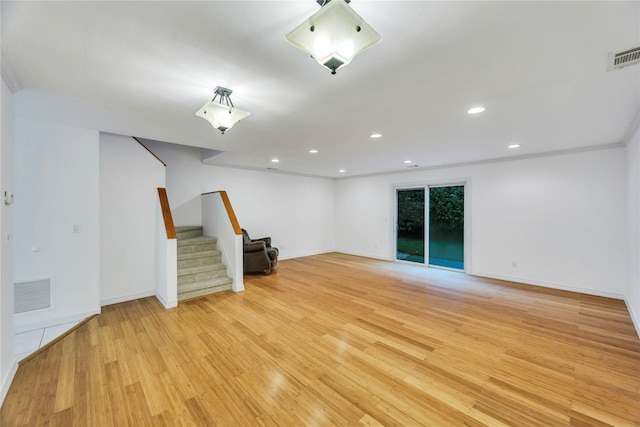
(200, 269)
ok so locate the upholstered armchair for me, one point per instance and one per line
(259, 256)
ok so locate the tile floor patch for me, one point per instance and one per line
(27, 341)
(54, 332)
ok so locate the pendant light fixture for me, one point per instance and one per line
(334, 35)
(222, 115)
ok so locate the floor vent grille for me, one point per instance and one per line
(31, 296)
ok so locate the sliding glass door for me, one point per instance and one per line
(446, 226)
(410, 225)
(430, 226)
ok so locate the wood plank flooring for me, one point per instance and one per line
(338, 340)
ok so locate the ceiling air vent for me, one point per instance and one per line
(623, 59)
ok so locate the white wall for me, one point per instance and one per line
(8, 363)
(633, 181)
(129, 181)
(561, 218)
(166, 264)
(216, 222)
(296, 211)
(56, 182)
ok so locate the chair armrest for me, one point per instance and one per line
(266, 240)
(254, 246)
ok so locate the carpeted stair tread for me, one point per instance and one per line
(188, 228)
(189, 232)
(196, 240)
(183, 279)
(200, 254)
(201, 269)
(196, 258)
(212, 284)
(203, 292)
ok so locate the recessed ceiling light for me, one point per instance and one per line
(313, 151)
(408, 161)
(375, 135)
(513, 146)
(342, 171)
(476, 110)
(275, 160)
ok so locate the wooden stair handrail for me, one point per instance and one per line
(166, 213)
(229, 208)
(150, 152)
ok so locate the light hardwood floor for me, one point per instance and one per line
(334, 340)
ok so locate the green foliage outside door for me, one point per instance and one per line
(444, 208)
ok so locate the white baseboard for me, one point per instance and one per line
(634, 316)
(550, 285)
(6, 381)
(360, 254)
(54, 321)
(125, 298)
(282, 257)
(165, 303)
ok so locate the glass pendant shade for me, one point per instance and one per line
(221, 116)
(334, 35)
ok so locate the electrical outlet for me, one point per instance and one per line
(514, 264)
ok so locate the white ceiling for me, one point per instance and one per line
(144, 69)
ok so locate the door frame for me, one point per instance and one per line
(426, 184)
(395, 223)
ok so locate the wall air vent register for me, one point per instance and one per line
(624, 59)
(32, 296)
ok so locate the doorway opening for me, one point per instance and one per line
(410, 229)
(430, 225)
